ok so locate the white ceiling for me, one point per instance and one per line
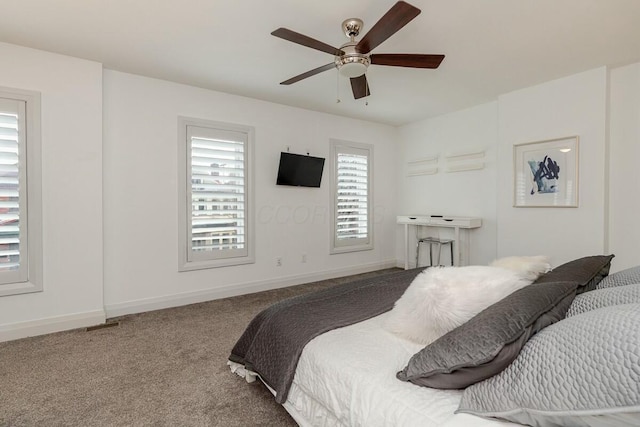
(491, 46)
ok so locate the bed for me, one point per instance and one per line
(340, 367)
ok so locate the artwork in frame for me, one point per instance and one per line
(546, 173)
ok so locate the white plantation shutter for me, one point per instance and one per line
(352, 196)
(13, 198)
(217, 203)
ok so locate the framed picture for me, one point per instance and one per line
(546, 173)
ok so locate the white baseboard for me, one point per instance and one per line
(157, 303)
(31, 328)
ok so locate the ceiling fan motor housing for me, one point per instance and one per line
(352, 63)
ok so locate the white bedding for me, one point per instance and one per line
(347, 377)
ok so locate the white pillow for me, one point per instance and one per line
(530, 266)
(442, 298)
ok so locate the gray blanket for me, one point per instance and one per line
(272, 343)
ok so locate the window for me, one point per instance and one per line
(352, 196)
(216, 219)
(20, 192)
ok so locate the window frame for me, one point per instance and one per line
(186, 259)
(30, 172)
(350, 147)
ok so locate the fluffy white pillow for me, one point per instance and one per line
(442, 298)
(530, 266)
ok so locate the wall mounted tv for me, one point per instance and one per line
(300, 171)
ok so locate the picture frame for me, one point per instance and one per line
(546, 173)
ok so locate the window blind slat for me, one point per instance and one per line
(217, 154)
(199, 180)
(212, 143)
(206, 204)
(345, 203)
(221, 246)
(214, 170)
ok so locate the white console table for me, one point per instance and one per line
(454, 222)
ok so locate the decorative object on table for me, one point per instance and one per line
(546, 173)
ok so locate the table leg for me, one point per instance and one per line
(406, 246)
(456, 252)
(467, 245)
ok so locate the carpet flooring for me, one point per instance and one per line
(160, 368)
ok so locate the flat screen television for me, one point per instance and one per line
(300, 171)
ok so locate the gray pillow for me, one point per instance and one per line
(490, 341)
(587, 271)
(584, 370)
(603, 298)
(621, 278)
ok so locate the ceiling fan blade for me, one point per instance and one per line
(360, 87)
(406, 60)
(397, 17)
(309, 74)
(298, 38)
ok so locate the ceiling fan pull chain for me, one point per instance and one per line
(366, 100)
(337, 86)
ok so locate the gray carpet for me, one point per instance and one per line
(161, 368)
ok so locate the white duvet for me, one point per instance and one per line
(346, 377)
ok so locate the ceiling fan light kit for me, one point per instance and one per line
(354, 57)
(352, 63)
(355, 67)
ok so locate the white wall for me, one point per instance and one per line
(470, 193)
(71, 96)
(575, 105)
(140, 195)
(624, 173)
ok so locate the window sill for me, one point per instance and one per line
(19, 288)
(217, 263)
(354, 248)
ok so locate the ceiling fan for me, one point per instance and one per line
(354, 57)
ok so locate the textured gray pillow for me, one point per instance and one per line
(603, 298)
(490, 341)
(584, 370)
(621, 278)
(587, 271)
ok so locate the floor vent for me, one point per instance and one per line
(104, 325)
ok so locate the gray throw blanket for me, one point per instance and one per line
(272, 343)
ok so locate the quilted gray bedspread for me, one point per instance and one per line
(272, 343)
